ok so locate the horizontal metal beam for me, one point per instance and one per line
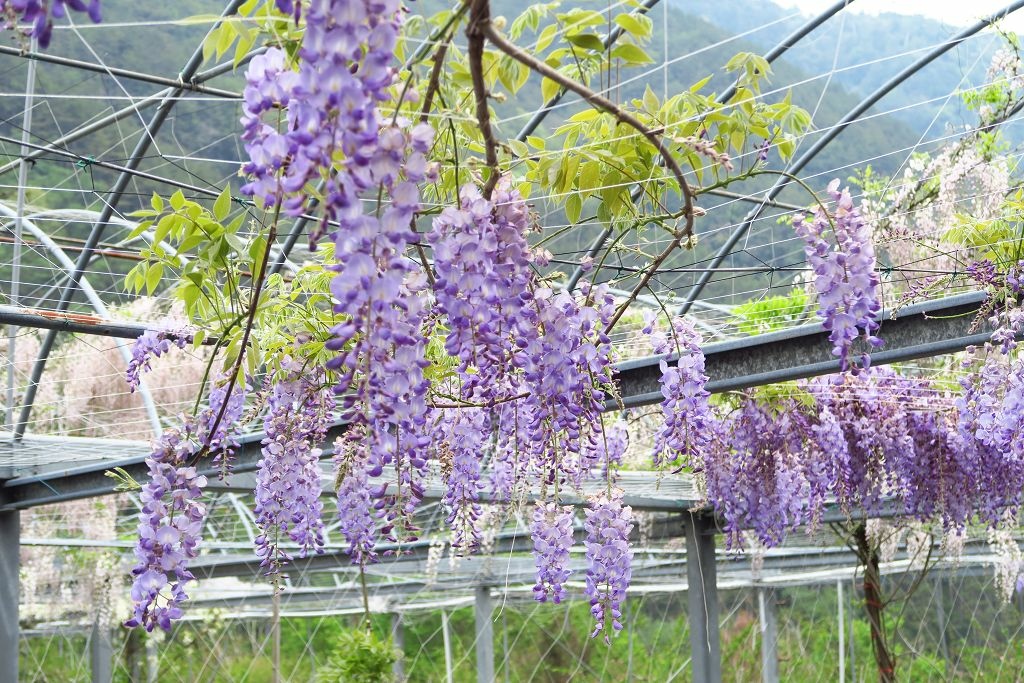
(922, 330)
(63, 485)
(918, 331)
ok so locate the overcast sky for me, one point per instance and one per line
(957, 12)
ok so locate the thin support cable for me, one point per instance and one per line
(125, 112)
(81, 65)
(789, 41)
(726, 249)
(113, 198)
(543, 112)
(12, 331)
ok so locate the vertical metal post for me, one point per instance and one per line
(482, 611)
(152, 660)
(769, 635)
(702, 594)
(504, 646)
(447, 647)
(940, 617)
(9, 549)
(849, 631)
(398, 640)
(276, 626)
(840, 600)
(101, 654)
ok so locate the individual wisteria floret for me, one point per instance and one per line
(686, 430)
(150, 344)
(840, 252)
(39, 14)
(288, 480)
(357, 512)
(462, 433)
(169, 529)
(608, 525)
(552, 533)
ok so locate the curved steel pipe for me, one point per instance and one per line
(97, 305)
(110, 203)
(830, 135)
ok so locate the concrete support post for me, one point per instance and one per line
(152, 660)
(703, 599)
(769, 635)
(841, 602)
(941, 620)
(101, 654)
(9, 562)
(482, 613)
(398, 640)
(448, 674)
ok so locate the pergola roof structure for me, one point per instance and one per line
(79, 296)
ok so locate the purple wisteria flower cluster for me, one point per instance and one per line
(463, 432)
(150, 344)
(990, 414)
(608, 525)
(865, 442)
(684, 435)
(39, 14)
(840, 252)
(327, 125)
(566, 365)
(552, 532)
(483, 281)
(170, 524)
(357, 511)
(172, 513)
(288, 484)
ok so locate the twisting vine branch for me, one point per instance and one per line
(435, 78)
(655, 137)
(476, 32)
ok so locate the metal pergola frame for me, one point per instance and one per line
(919, 331)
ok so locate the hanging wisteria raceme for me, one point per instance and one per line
(327, 124)
(172, 514)
(687, 429)
(39, 14)
(288, 484)
(610, 447)
(357, 512)
(608, 525)
(515, 455)
(566, 366)
(990, 415)
(170, 524)
(552, 533)
(462, 435)
(150, 344)
(483, 279)
(754, 473)
(840, 252)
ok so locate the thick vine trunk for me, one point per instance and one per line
(873, 606)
